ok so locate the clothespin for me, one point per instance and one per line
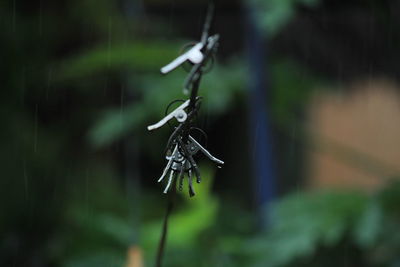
(195, 146)
(179, 113)
(194, 55)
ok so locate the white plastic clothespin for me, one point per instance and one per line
(179, 113)
(194, 55)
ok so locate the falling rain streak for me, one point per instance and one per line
(35, 135)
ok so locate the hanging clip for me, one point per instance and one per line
(194, 55)
(211, 44)
(194, 147)
(179, 113)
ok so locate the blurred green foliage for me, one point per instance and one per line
(329, 228)
(306, 229)
(219, 88)
(303, 229)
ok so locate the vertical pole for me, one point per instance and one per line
(260, 131)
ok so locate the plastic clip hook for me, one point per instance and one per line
(194, 55)
(179, 113)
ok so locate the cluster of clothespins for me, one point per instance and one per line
(182, 146)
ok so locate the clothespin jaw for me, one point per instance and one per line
(195, 146)
(194, 55)
(181, 162)
(210, 47)
(212, 42)
(179, 113)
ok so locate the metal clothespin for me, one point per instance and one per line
(195, 146)
(179, 113)
(194, 55)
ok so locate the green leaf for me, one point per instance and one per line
(369, 226)
(114, 124)
(141, 56)
(300, 223)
